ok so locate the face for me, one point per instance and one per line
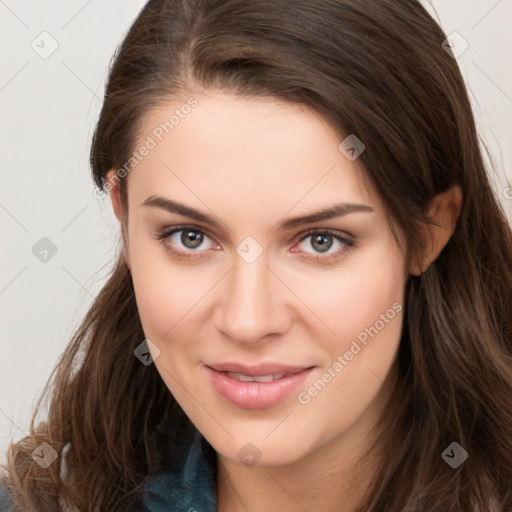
(275, 332)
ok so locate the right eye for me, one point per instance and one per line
(183, 241)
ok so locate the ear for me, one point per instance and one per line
(444, 210)
(115, 196)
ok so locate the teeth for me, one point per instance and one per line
(264, 378)
(243, 378)
(256, 378)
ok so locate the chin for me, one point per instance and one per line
(258, 449)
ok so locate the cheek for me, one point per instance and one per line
(364, 295)
(360, 358)
(166, 292)
(367, 319)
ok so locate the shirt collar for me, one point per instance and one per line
(191, 488)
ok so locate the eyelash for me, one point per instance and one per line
(165, 233)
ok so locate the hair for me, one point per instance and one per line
(375, 69)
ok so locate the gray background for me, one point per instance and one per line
(48, 109)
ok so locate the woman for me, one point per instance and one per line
(312, 309)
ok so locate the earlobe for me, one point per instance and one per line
(444, 211)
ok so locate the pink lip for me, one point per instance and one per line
(256, 395)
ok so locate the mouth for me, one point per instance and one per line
(256, 386)
(254, 378)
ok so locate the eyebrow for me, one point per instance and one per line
(330, 212)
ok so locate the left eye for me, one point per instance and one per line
(322, 242)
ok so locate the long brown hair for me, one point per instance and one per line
(375, 69)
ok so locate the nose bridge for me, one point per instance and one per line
(250, 303)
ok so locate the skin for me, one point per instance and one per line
(250, 163)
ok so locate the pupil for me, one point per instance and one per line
(323, 242)
(191, 239)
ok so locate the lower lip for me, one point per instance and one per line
(256, 395)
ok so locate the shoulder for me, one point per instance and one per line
(190, 486)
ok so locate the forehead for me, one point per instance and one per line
(243, 149)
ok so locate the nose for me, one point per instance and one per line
(253, 303)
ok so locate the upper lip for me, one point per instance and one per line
(255, 370)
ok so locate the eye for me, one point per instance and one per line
(184, 241)
(189, 242)
(322, 241)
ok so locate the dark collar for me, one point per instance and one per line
(190, 488)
